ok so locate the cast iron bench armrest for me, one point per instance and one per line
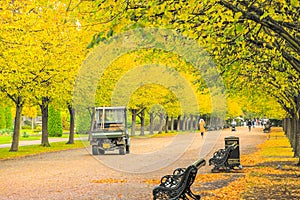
(220, 158)
(177, 186)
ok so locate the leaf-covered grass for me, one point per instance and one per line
(38, 149)
(270, 172)
(277, 145)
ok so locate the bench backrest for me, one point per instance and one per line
(173, 186)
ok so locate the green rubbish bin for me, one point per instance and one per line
(234, 157)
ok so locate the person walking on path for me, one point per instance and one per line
(233, 125)
(249, 124)
(202, 127)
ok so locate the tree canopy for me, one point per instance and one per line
(253, 44)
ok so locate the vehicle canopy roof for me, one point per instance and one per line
(111, 107)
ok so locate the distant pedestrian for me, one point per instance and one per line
(249, 124)
(233, 125)
(264, 122)
(202, 127)
(253, 123)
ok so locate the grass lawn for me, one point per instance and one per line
(7, 139)
(37, 149)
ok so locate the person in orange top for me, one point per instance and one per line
(202, 127)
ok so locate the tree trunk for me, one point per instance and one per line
(196, 122)
(17, 125)
(293, 134)
(133, 119)
(187, 123)
(32, 124)
(151, 126)
(172, 124)
(191, 126)
(161, 122)
(44, 110)
(142, 118)
(167, 124)
(297, 129)
(178, 123)
(284, 124)
(92, 114)
(297, 137)
(288, 128)
(183, 127)
(72, 124)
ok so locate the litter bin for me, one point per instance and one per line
(234, 157)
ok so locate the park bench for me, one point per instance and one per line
(221, 157)
(267, 128)
(177, 185)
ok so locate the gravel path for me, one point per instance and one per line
(76, 174)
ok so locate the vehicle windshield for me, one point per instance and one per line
(111, 115)
(109, 118)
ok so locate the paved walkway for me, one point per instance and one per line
(77, 175)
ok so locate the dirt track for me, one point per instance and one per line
(75, 174)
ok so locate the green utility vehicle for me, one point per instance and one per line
(109, 131)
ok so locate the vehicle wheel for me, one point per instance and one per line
(101, 151)
(95, 150)
(121, 150)
(127, 149)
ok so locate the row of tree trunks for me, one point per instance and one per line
(291, 127)
(45, 136)
(188, 123)
(165, 123)
(19, 102)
